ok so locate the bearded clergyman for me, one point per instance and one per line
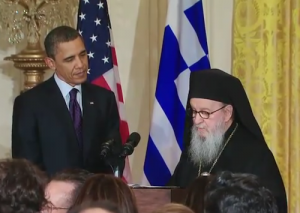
(223, 135)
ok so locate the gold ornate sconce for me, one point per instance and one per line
(31, 62)
(31, 20)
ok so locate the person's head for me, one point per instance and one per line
(67, 55)
(195, 193)
(216, 100)
(236, 193)
(211, 113)
(210, 118)
(63, 188)
(107, 187)
(22, 187)
(173, 208)
(103, 206)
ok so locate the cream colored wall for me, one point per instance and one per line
(138, 28)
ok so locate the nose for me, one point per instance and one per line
(79, 62)
(197, 119)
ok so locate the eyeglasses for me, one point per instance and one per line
(204, 114)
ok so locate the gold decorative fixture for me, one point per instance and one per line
(32, 20)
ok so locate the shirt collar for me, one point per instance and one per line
(64, 87)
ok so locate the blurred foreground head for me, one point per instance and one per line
(107, 187)
(238, 193)
(173, 208)
(96, 207)
(63, 189)
(22, 187)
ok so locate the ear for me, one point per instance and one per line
(228, 113)
(50, 63)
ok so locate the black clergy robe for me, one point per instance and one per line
(243, 154)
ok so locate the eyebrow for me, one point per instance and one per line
(72, 56)
(202, 109)
(83, 51)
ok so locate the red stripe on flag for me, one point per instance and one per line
(101, 82)
(124, 130)
(120, 93)
(114, 56)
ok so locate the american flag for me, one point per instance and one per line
(94, 26)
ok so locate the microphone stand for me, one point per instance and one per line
(108, 165)
(127, 150)
(115, 162)
(117, 172)
(120, 162)
(119, 166)
(116, 165)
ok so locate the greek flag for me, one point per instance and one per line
(184, 50)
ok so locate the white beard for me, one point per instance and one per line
(206, 149)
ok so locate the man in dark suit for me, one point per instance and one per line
(62, 122)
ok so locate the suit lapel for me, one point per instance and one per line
(57, 103)
(89, 116)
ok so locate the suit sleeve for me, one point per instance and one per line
(113, 124)
(25, 143)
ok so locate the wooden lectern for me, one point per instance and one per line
(150, 198)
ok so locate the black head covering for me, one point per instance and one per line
(217, 85)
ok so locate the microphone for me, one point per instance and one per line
(132, 141)
(106, 148)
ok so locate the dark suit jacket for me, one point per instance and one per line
(43, 132)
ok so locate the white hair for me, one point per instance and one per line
(205, 149)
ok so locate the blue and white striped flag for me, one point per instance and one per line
(184, 50)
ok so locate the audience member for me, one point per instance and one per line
(22, 187)
(173, 208)
(107, 187)
(63, 188)
(238, 193)
(96, 207)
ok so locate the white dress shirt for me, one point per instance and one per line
(65, 90)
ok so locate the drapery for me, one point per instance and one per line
(266, 58)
